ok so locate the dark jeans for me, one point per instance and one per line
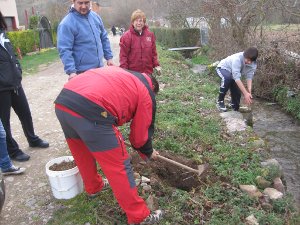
(228, 83)
(18, 101)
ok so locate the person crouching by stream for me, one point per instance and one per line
(90, 108)
(230, 70)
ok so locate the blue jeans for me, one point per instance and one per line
(5, 162)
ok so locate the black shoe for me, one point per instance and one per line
(221, 106)
(20, 157)
(39, 144)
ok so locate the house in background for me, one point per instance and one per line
(9, 11)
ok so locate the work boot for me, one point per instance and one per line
(154, 217)
(104, 188)
(221, 106)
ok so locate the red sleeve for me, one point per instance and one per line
(142, 125)
(124, 50)
(154, 52)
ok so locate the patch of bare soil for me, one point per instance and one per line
(168, 173)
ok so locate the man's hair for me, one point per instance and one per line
(155, 84)
(251, 53)
(2, 22)
(138, 14)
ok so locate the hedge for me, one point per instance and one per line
(174, 38)
(27, 40)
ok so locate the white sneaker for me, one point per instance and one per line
(13, 170)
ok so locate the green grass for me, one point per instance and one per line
(32, 63)
(201, 59)
(290, 104)
(186, 121)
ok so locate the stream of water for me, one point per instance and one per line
(282, 132)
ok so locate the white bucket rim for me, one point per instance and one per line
(61, 172)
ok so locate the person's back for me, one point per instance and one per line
(98, 88)
(89, 108)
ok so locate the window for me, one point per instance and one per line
(11, 23)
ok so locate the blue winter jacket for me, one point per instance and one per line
(82, 42)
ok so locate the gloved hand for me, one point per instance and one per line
(146, 158)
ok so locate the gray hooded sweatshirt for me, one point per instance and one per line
(235, 64)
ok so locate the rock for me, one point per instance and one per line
(145, 179)
(274, 168)
(41, 185)
(147, 188)
(257, 194)
(154, 181)
(31, 202)
(152, 202)
(270, 162)
(244, 109)
(266, 206)
(231, 115)
(273, 193)
(262, 182)
(137, 182)
(251, 220)
(250, 189)
(9, 179)
(258, 143)
(278, 185)
(234, 121)
(136, 175)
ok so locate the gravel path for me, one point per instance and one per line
(29, 198)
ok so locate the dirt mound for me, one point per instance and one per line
(167, 173)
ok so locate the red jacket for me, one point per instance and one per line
(125, 96)
(138, 52)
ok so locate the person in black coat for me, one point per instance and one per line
(13, 96)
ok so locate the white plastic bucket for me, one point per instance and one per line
(65, 184)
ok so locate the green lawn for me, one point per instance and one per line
(188, 124)
(31, 63)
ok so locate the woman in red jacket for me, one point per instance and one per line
(137, 46)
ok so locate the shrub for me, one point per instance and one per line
(177, 37)
(33, 22)
(26, 41)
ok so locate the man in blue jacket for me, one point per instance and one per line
(82, 40)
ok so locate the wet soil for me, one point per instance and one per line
(64, 165)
